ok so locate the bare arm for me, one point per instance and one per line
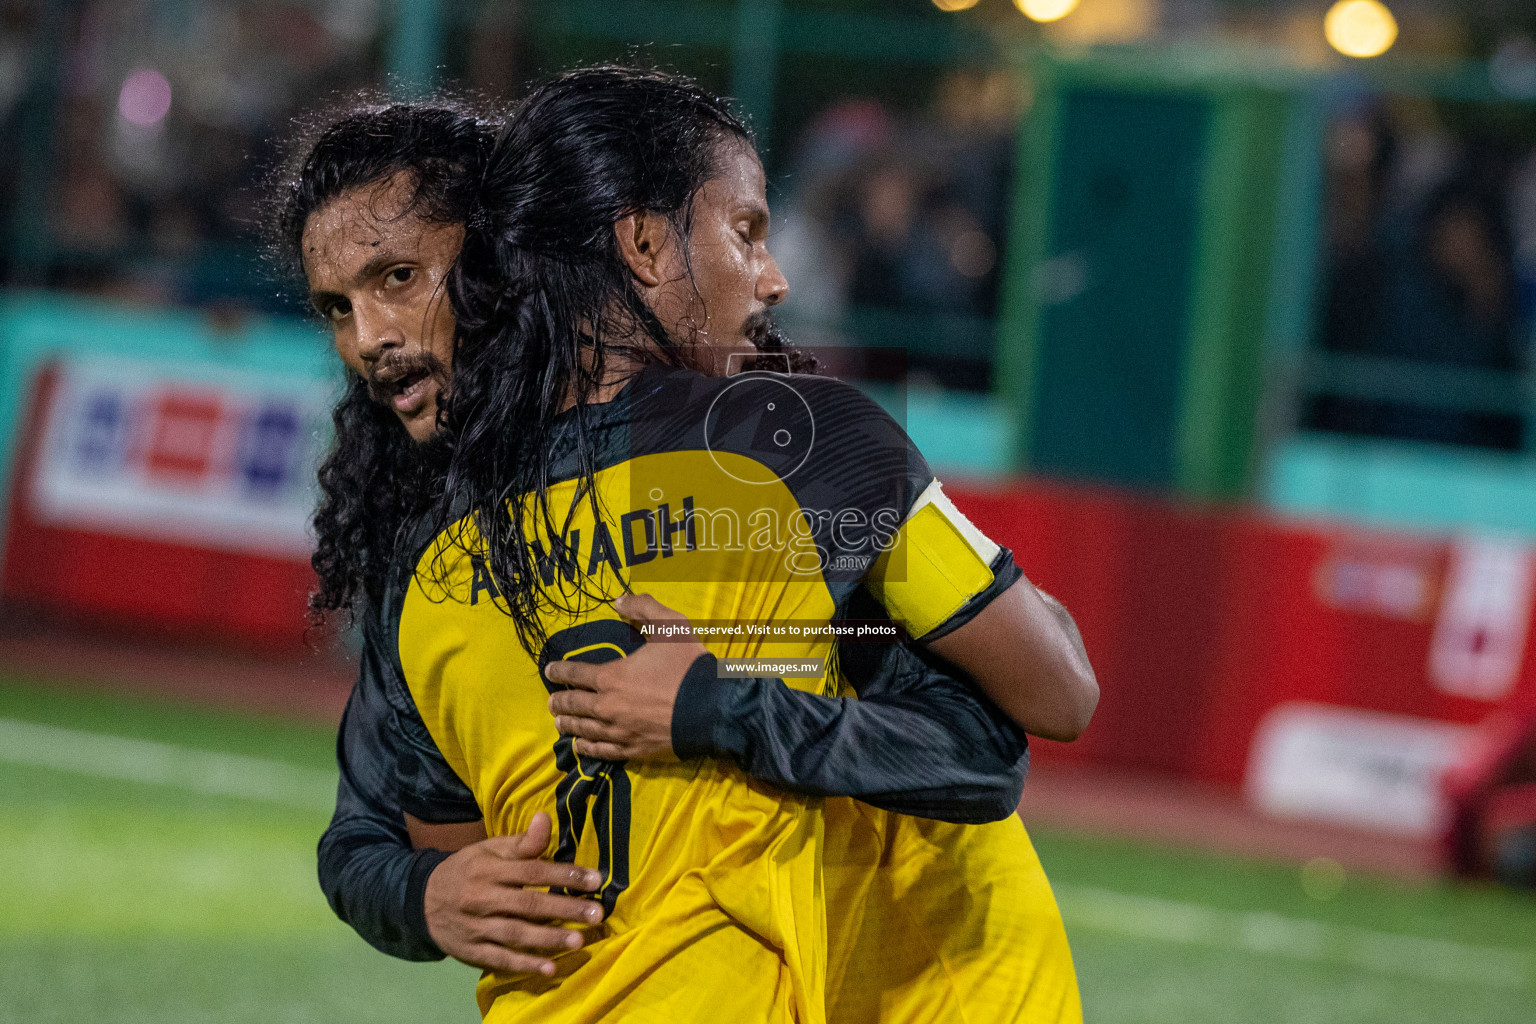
(1026, 654)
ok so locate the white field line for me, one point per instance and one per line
(164, 764)
(1146, 917)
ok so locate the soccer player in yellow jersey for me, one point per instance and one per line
(577, 406)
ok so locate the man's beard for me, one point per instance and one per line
(777, 352)
(399, 370)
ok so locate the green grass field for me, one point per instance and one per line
(127, 897)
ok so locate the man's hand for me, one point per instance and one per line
(622, 710)
(484, 906)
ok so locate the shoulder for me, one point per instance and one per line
(808, 430)
(853, 452)
(677, 390)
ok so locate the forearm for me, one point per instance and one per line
(376, 883)
(919, 741)
(1025, 653)
(370, 874)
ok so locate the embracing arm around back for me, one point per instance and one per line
(424, 884)
(962, 596)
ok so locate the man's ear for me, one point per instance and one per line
(642, 236)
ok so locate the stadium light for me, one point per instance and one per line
(1360, 28)
(954, 5)
(1046, 10)
(145, 97)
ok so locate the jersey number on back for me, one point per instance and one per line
(587, 783)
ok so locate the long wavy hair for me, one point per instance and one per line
(375, 479)
(547, 307)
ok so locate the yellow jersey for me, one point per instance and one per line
(754, 505)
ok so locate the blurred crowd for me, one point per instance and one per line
(152, 122)
(137, 133)
(163, 118)
(904, 213)
(1431, 245)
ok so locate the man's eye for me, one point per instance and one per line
(399, 276)
(337, 311)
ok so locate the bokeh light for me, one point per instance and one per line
(1046, 10)
(972, 254)
(1322, 878)
(145, 98)
(1360, 28)
(954, 5)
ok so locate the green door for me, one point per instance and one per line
(1115, 285)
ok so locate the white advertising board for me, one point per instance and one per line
(130, 448)
(1366, 769)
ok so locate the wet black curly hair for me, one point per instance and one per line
(375, 479)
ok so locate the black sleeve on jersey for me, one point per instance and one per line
(862, 463)
(850, 466)
(920, 740)
(370, 875)
(429, 788)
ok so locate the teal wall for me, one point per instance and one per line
(1383, 483)
(962, 435)
(1400, 484)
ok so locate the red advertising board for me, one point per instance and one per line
(152, 502)
(1330, 672)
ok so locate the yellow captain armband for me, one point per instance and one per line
(936, 563)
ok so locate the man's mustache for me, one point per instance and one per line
(398, 370)
(763, 331)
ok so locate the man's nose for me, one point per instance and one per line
(772, 287)
(376, 335)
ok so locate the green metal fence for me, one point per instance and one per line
(1162, 260)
